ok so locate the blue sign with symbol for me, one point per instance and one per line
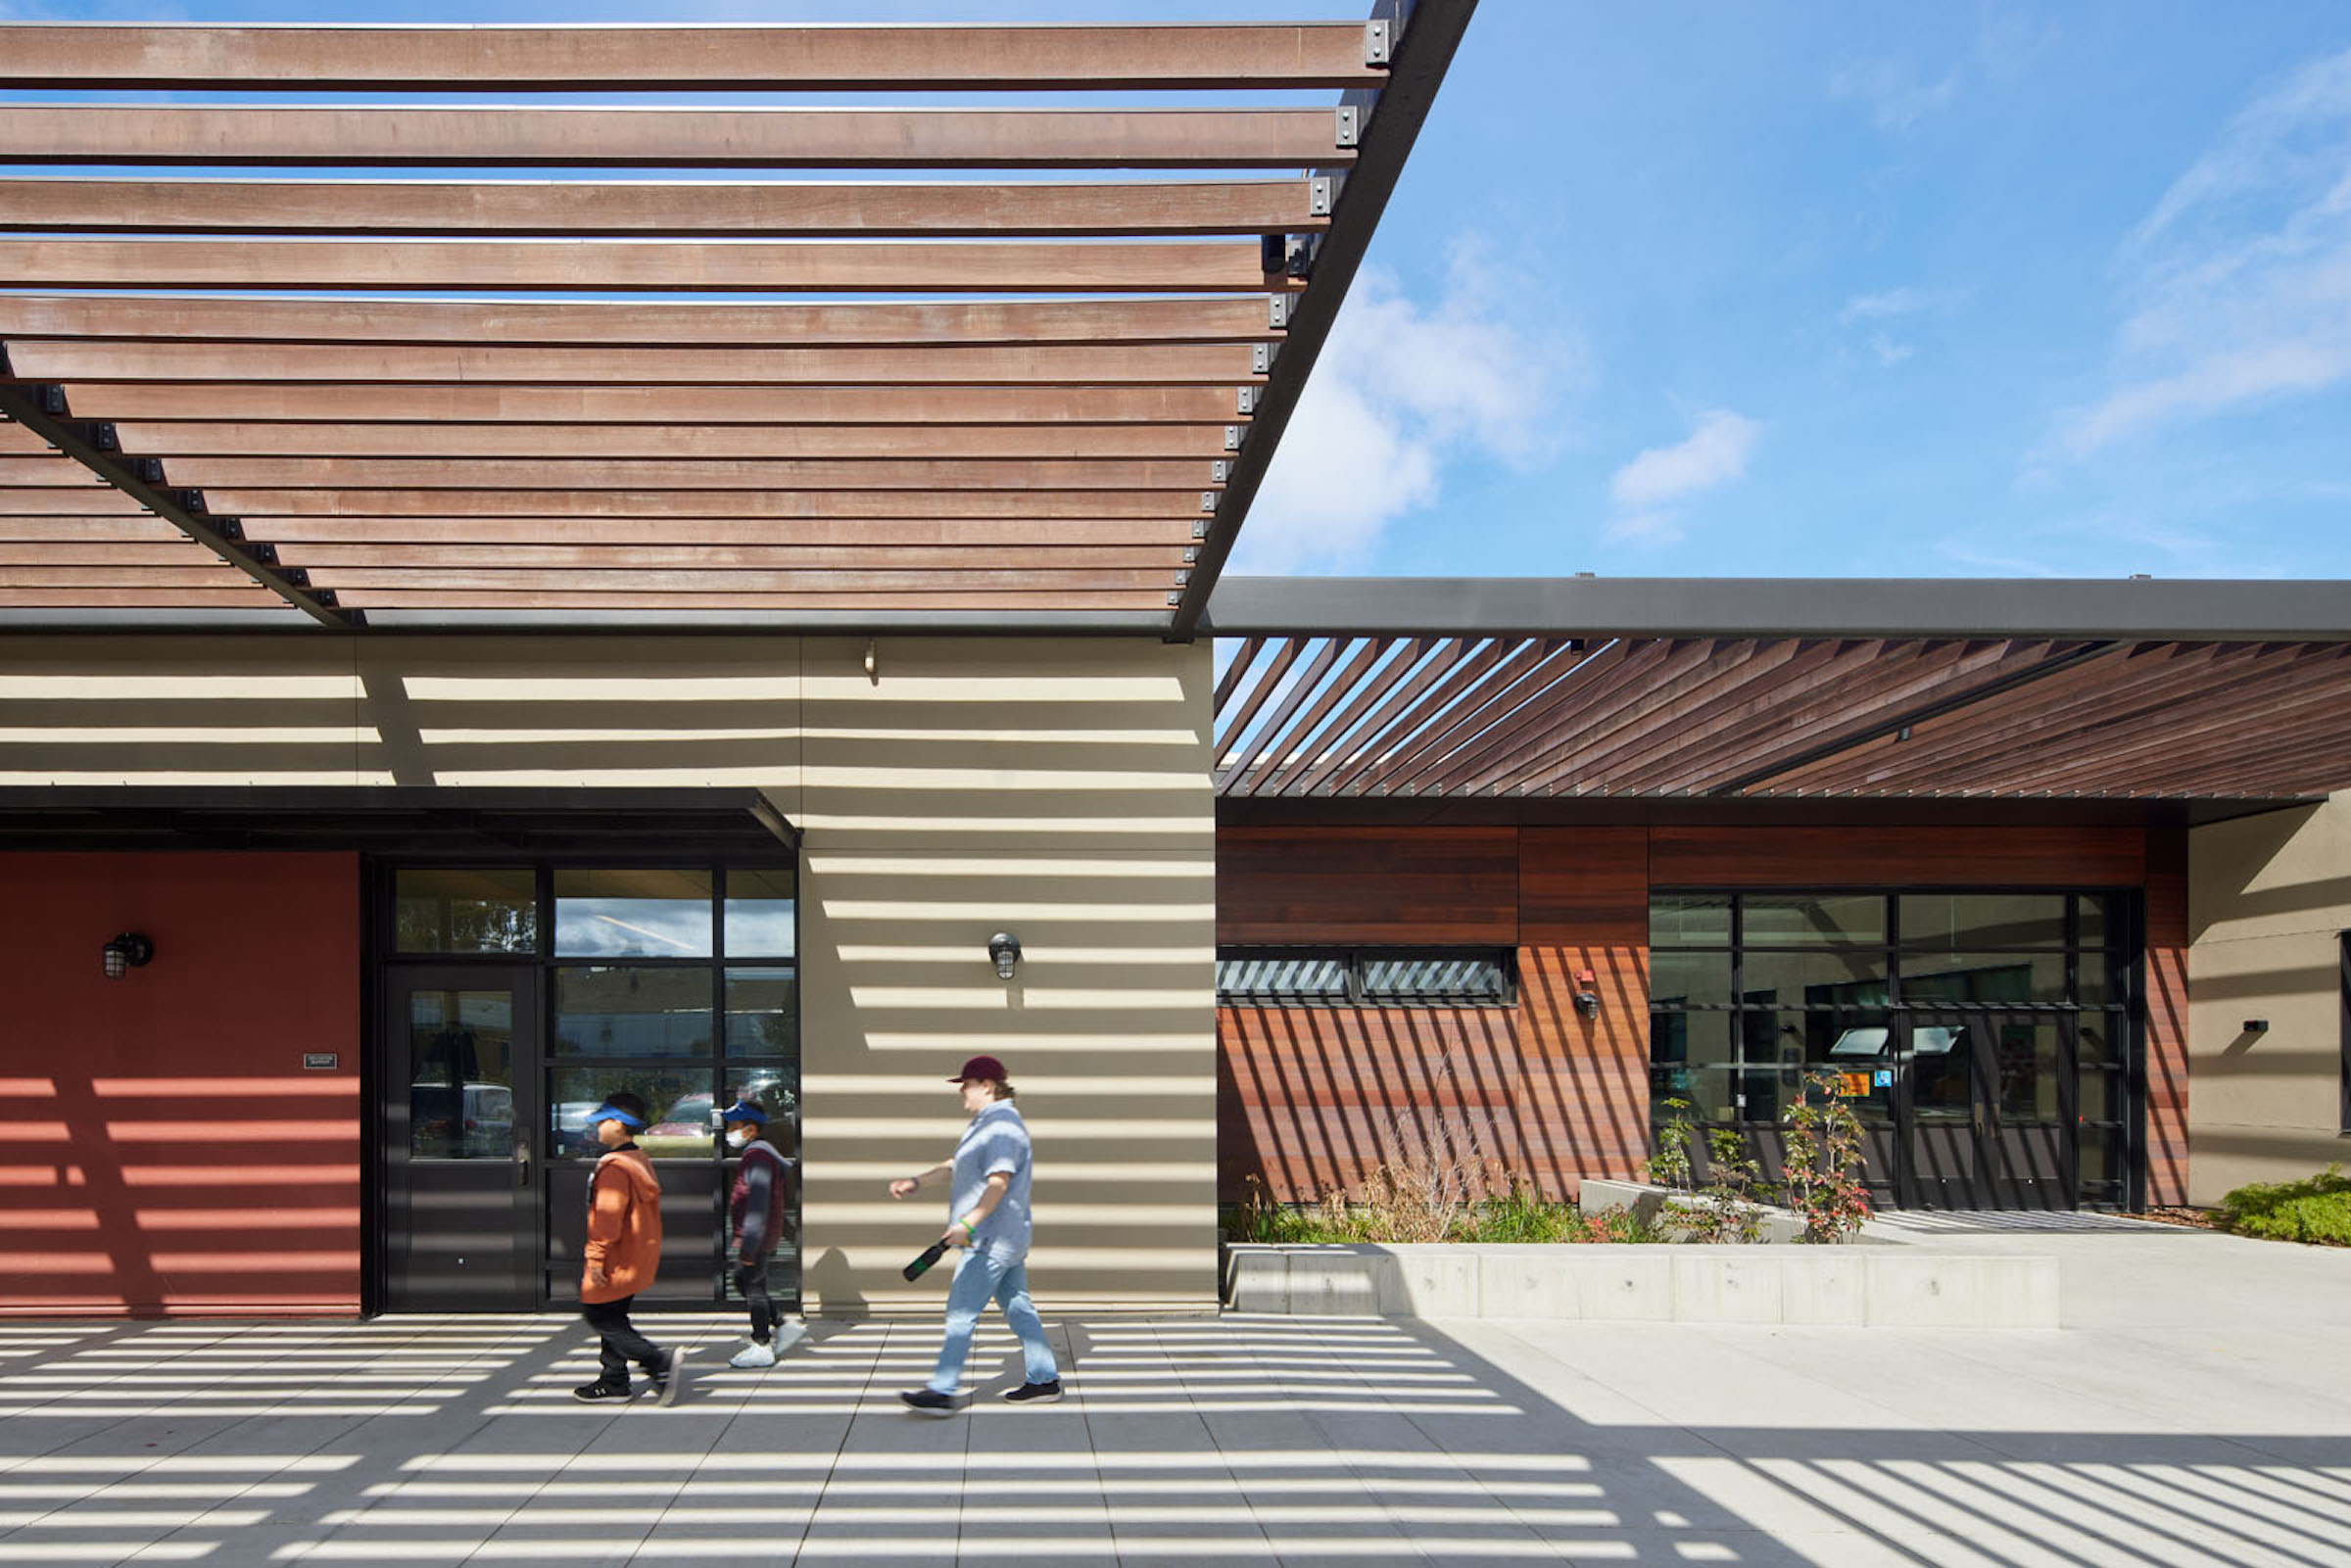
(1883, 1079)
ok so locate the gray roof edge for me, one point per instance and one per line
(2144, 609)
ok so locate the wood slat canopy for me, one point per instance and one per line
(1511, 717)
(343, 361)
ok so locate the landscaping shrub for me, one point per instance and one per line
(1824, 1158)
(2316, 1209)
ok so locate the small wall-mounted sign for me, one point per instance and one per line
(320, 1061)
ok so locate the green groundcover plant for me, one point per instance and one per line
(2316, 1209)
(1388, 1214)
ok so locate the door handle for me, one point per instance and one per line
(522, 1161)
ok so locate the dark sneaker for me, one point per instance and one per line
(670, 1379)
(929, 1401)
(600, 1389)
(1045, 1393)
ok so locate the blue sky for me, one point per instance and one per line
(1777, 289)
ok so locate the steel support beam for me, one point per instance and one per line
(1421, 36)
(86, 444)
(2132, 610)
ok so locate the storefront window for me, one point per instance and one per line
(464, 910)
(1985, 1013)
(760, 915)
(633, 913)
(632, 1009)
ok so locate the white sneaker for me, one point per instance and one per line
(754, 1356)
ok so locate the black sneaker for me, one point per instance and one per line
(670, 1379)
(600, 1389)
(1045, 1393)
(929, 1401)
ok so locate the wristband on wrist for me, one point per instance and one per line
(969, 1229)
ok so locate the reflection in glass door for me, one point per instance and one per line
(461, 1183)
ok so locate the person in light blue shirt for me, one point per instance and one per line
(988, 1218)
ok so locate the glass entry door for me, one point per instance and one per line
(463, 1178)
(1988, 1112)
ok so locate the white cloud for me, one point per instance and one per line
(1402, 393)
(1890, 351)
(1715, 453)
(1647, 527)
(2236, 286)
(1896, 97)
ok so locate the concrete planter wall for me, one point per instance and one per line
(1851, 1287)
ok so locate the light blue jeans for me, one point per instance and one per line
(982, 1273)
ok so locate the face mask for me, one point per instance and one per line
(736, 1138)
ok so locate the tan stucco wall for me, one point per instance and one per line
(2268, 898)
(1055, 786)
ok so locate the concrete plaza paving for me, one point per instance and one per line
(2197, 1408)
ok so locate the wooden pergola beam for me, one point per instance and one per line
(653, 265)
(1206, 443)
(762, 59)
(640, 322)
(549, 503)
(453, 404)
(532, 475)
(631, 137)
(1225, 365)
(1033, 599)
(522, 539)
(676, 210)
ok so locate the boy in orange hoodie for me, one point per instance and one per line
(623, 1253)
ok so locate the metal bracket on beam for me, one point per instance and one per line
(1233, 438)
(44, 409)
(1207, 500)
(1221, 470)
(1376, 43)
(1199, 528)
(1279, 308)
(1349, 126)
(1248, 399)
(1261, 358)
(1191, 554)
(1182, 578)
(1318, 196)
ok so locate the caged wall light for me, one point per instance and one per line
(125, 953)
(1004, 949)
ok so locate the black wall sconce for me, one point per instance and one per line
(1587, 996)
(2257, 1025)
(126, 952)
(1004, 949)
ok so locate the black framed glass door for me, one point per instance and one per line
(1988, 1112)
(463, 1179)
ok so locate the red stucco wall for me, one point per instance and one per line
(161, 1147)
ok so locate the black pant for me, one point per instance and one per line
(622, 1344)
(750, 1278)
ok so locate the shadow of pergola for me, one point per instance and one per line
(454, 1440)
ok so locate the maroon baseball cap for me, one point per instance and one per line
(981, 1067)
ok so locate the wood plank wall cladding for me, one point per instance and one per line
(1443, 886)
(1311, 1100)
(2165, 1044)
(1965, 856)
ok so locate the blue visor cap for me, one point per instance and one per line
(743, 1111)
(606, 1112)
